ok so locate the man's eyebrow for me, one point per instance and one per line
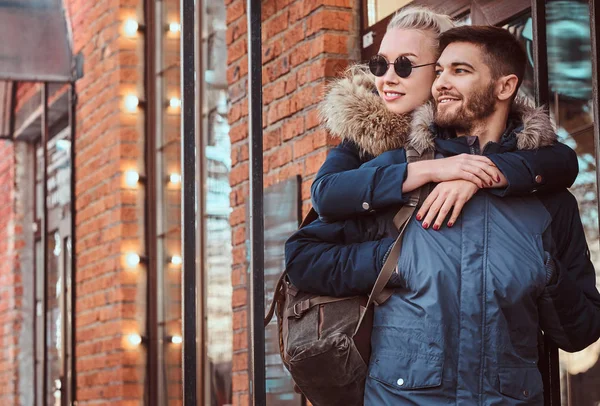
(455, 64)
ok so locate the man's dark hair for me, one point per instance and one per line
(502, 51)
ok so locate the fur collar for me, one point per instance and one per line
(352, 110)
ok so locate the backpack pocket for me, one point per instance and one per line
(329, 372)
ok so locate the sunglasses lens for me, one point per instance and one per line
(403, 67)
(378, 65)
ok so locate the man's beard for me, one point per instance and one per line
(480, 105)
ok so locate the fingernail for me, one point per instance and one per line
(450, 224)
(498, 179)
(419, 217)
(491, 183)
(425, 225)
(436, 227)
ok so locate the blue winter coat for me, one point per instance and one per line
(462, 325)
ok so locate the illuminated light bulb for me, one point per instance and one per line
(175, 27)
(131, 27)
(176, 260)
(132, 259)
(176, 339)
(175, 103)
(175, 178)
(132, 178)
(131, 103)
(134, 339)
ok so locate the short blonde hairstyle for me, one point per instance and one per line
(421, 18)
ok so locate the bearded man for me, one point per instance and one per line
(469, 299)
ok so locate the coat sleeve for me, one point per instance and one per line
(336, 259)
(570, 305)
(545, 169)
(342, 188)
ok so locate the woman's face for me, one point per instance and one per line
(403, 95)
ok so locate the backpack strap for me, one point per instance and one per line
(379, 294)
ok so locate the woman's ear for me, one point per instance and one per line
(507, 86)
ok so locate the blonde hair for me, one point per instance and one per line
(421, 18)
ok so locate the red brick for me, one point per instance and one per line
(326, 19)
(235, 10)
(293, 127)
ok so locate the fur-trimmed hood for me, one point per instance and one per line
(352, 110)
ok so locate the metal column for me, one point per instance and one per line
(44, 240)
(188, 175)
(257, 284)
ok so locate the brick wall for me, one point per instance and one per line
(305, 43)
(111, 297)
(10, 280)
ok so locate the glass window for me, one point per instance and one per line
(168, 204)
(377, 10)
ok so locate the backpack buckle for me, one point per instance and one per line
(300, 308)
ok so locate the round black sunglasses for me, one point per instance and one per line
(378, 66)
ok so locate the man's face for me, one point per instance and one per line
(464, 91)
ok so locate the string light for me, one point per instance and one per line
(131, 27)
(176, 339)
(176, 260)
(131, 103)
(175, 102)
(132, 178)
(133, 259)
(175, 178)
(175, 27)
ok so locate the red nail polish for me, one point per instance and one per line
(491, 183)
(436, 227)
(450, 224)
(498, 179)
(425, 225)
(419, 217)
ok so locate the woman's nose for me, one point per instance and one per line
(390, 75)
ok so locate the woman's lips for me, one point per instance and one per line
(392, 96)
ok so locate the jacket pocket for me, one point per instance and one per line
(521, 383)
(406, 373)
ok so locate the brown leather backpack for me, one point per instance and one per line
(325, 342)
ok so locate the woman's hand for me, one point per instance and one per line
(445, 196)
(476, 169)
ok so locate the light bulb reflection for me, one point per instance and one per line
(131, 27)
(174, 102)
(132, 259)
(175, 178)
(131, 103)
(132, 178)
(174, 27)
(176, 260)
(176, 339)
(134, 339)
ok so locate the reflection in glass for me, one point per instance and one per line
(54, 320)
(218, 244)
(570, 86)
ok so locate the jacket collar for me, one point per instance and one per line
(352, 110)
